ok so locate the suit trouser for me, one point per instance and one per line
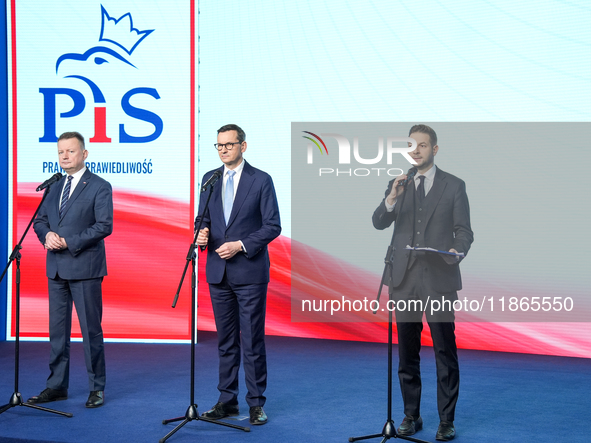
(87, 297)
(410, 326)
(239, 312)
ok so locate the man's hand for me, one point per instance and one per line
(229, 249)
(396, 190)
(451, 259)
(54, 242)
(203, 237)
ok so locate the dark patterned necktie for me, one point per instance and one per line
(66, 195)
(421, 188)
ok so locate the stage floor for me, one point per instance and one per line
(319, 391)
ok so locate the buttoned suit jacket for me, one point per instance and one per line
(254, 220)
(87, 220)
(445, 223)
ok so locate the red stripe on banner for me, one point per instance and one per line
(146, 254)
(145, 258)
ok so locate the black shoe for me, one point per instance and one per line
(95, 399)
(446, 431)
(257, 416)
(409, 426)
(221, 410)
(48, 395)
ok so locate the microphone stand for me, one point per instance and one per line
(192, 413)
(16, 399)
(389, 430)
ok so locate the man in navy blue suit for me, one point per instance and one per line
(71, 224)
(241, 220)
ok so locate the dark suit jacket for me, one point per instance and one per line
(254, 221)
(87, 220)
(446, 225)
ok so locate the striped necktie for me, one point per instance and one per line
(66, 195)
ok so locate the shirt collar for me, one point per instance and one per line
(238, 169)
(429, 175)
(78, 175)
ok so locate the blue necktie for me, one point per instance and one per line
(66, 195)
(229, 196)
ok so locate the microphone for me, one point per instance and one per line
(47, 183)
(214, 178)
(410, 175)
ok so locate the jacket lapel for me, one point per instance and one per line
(409, 202)
(216, 206)
(435, 193)
(53, 199)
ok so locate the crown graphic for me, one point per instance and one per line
(120, 31)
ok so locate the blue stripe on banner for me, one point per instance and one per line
(3, 166)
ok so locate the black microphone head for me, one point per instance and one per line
(212, 180)
(56, 178)
(50, 181)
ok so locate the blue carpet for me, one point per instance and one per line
(319, 391)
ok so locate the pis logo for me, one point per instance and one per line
(121, 39)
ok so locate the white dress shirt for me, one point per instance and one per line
(75, 180)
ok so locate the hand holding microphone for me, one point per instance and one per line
(399, 185)
(203, 238)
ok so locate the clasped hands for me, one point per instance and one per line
(226, 251)
(54, 242)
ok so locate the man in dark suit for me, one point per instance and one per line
(71, 224)
(432, 211)
(241, 220)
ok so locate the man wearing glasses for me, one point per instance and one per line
(241, 220)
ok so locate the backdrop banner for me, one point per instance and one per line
(119, 72)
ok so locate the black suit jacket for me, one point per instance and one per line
(445, 223)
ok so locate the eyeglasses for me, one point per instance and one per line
(228, 146)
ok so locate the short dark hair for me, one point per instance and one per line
(424, 129)
(73, 134)
(238, 129)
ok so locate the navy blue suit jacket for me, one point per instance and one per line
(254, 220)
(87, 220)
